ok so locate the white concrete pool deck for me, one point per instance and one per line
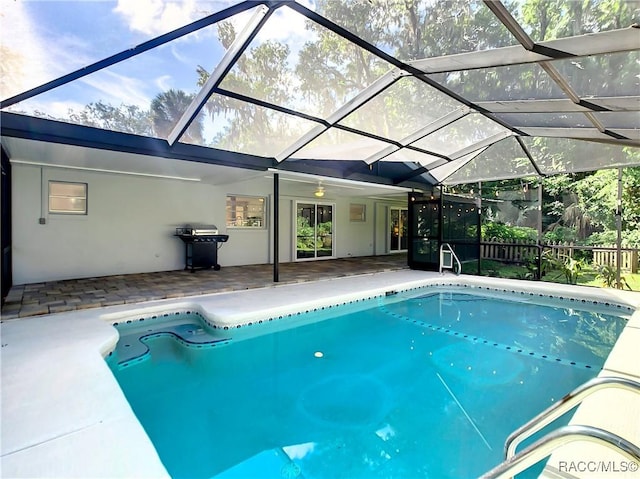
(64, 415)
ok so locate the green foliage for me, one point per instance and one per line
(560, 234)
(309, 238)
(588, 276)
(608, 275)
(610, 237)
(304, 234)
(581, 208)
(167, 108)
(531, 264)
(326, 71)
(491, 230)
(324, 229)
(631, 200)
(597, 195)
(570, 267)
(497, 269)
(125, 118)
(547, 263)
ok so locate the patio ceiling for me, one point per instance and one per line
(335, 89)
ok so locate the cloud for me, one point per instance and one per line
(286, 25)
(118, 89)
(34, 54)
(164, 82)
(106, 86)
(155, 17)
(30, 64)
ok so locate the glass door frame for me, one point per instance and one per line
(329, 238)
(401, 228)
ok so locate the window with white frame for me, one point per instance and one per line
(67, 198)
(246, 211)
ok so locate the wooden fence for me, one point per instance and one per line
(510, 252)
(628, 258)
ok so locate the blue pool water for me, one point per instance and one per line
(418, 384)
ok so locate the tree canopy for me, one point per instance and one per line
(318, 76)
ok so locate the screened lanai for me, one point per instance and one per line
(396, 92)
(305, 130)
(383, 97)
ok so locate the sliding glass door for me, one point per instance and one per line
(314, 231)
(398, 232)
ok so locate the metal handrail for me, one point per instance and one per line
(564, 435)
(568, 402)
(453, 254)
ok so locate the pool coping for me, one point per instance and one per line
(61, 404)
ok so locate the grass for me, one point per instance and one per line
(633, 280)
(587, 277)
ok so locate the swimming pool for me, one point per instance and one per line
(421, 383)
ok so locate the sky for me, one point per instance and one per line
(45, 39)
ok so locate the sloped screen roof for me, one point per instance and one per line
(449, 92)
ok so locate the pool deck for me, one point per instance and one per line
(75, 294)
(64, 415)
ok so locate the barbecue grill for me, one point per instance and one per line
(201, 246)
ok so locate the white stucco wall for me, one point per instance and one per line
(131, 221)
(354, 238)
(128, 228)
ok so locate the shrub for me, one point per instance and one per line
(491, 230)
(608, 275)
(560, 234)
(610, 237)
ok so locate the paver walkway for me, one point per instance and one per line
(68, 295)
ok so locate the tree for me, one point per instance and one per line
(262, 72)
(167, 108)
(125, 118)
(585, 203)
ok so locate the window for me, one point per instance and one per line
(67, 198)
(356, 212)
(245, 212)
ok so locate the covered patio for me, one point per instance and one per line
(70, 295)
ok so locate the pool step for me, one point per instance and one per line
(132, 347)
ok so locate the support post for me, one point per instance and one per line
(479, 206)
(539, 241)
(276, 226)
(619, 230)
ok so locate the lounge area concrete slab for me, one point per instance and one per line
(614, 410)
(64, 415)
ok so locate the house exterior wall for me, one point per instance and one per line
(131, 221)
(128, 228)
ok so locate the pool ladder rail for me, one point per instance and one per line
(542, 448)
(447, 257)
